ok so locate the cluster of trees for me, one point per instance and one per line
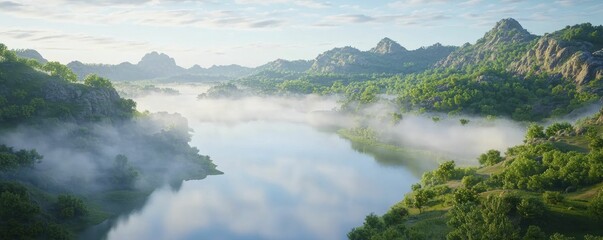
(20, 216)
(223, 90)
(11, 159)
(390, 226)
(25, 102)
(583, 32)
(486, 89)
(519, 195)
(542, 166)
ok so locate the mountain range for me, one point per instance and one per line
(566, 53)
(386, 57)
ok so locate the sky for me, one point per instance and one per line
(254, 32)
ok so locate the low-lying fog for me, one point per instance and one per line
(447, 136)
(289, 175)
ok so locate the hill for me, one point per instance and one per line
(74, 153)
(551, 186)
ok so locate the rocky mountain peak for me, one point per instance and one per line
(508, 31)
(155, 59)
(387, 46)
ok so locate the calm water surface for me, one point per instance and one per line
(283, 180)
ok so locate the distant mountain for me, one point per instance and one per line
(158, 66)
(387, 57)
(232, 70)
(31, 54)
(286, 65)
(387, 46)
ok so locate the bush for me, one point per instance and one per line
(534, 233)
(471, 180)
(95, 81)
(70, 206)
(556, 128)
(535, 131)
(596, 205)
(490, 158)
(552, 197)
(530, 208)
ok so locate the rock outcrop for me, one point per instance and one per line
(507, 32)
(91, 103)
(572, 60)
(388, 46)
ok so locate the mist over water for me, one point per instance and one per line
(286, 177)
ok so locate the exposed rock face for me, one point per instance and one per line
(506, 32)
(92, 103)
(388, 46)
(340, 60)
(570, 59)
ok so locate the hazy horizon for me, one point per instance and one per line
(251, 33)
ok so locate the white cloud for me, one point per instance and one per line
(57, 39)
(302, 3)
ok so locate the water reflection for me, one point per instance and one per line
(282, 181)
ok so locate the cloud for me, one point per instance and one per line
(143, 12)
(266, 23)
(420, 18)
(55, 39)
(302, 3)
(9, 5)
(413, 3)
(351, 18)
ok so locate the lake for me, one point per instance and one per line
(283, 178)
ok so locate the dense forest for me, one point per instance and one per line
(509, 72)
(52, 124)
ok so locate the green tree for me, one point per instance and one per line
(94, 80)
(534, 233)
(535, 131)
(11, 159)
(421, 198)
(445, 171)
(530, 208)
(552, 197)
(596, 205)
(558, 127)
(490, 158)
(70, 206)
(60, 70)
(394, 216)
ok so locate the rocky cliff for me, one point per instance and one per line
(90, 103)
(572, 60)
(506, 34)
(57, 98)
(388, 46)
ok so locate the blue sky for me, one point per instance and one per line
(253, 32)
